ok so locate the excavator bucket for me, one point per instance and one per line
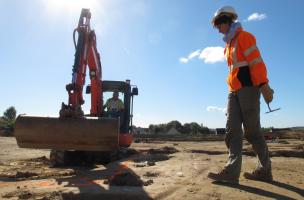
(81, 134)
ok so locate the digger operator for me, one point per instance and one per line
(247, 79)
(114, 104)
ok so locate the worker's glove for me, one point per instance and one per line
(267, 93)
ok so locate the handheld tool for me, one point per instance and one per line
(271, 110)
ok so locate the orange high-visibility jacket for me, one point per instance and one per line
(246, 66)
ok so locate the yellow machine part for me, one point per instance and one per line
(83, 134)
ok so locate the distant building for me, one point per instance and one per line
(220, 131)
(172, 131)
(140, 131)
(297, 128)
(279, 129)
(212, 131)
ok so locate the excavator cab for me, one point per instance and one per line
(125, 117)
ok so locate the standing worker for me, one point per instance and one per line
(247, 78)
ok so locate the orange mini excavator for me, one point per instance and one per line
(100, 131)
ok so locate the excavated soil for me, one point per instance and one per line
(32, 168)
(154, 170)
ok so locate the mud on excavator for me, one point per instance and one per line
(100, 133)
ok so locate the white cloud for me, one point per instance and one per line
(183, 60)
(194, 54)
(212, 55)
(209, 55)
(216, 109)
(256, 17)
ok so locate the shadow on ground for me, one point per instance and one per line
(266, 193)
(114, 182)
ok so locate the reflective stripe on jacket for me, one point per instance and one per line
(246, 66)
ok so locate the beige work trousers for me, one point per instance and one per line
(244, 109)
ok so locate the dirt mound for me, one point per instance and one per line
(25, 174)
(42, 160)
(208, 152)
(125, 153)
(163, 150)
(278, 153)
(151, 174)
(34, 168)
(287, 153)
(151, 156)
(127, 178)
(29, 195)
(20, 194)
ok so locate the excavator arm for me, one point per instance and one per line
(86, 55)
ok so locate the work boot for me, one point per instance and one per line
(223, 176)
(259, 175)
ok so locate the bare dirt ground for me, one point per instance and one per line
(150, 170)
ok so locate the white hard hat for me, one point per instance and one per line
(225, 10)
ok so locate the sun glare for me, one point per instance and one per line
(71, 6)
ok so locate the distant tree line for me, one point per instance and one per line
(7, 121)
(187, 128)
(266, 129)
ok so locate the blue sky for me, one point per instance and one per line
(167, 48)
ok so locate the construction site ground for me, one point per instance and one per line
(150, 170)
